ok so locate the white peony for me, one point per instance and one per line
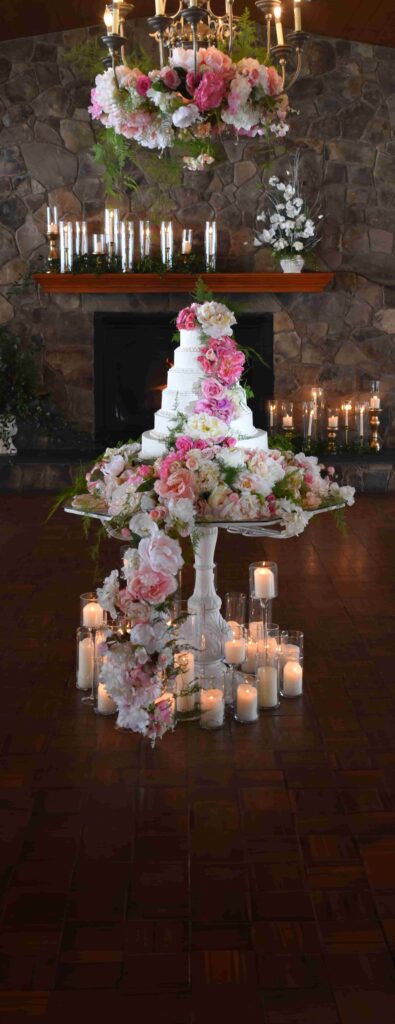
(182, 58)
(106, 90)
(186, 115)
(201, 425)
(107, 594)
(215, 319)
(233, 457)
(142, 524)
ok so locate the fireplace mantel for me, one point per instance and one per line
(103, 284)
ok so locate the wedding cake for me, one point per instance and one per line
(204, 398)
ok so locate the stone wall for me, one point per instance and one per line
(339, 339)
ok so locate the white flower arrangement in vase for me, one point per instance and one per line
(292, 232)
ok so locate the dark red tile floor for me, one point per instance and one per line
(247, 875)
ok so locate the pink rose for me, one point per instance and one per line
(161, 553)
(212, 390)
(186, 320)
(184, 444)
(143, 83)
(210, 92)
(153, 587)
(170, 77)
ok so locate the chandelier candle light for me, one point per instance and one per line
(332, 429)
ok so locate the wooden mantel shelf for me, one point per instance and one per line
(117, 284)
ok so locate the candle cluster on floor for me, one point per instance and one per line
(261, 663)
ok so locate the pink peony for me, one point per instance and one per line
(216, 61)
(161, 553)
(212, 390)
(143, 83)
(170, 77)
(210, 92)
(224, 409)
(95, 108)
(139, 678)
(180, 484)
(186, 320)
(231, 365)
(153, 587)
(192, 81)
(275, 82)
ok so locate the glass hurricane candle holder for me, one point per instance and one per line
(103, 703)
(346, 416)
(92, 615)
(166, 243)
(145, 240)
(255, 616)
(287, 418)
(264, 587)
(111, 231)
(268, 669)
(66, 246)
(332, 429)
(212, 704)
(374, 416)
(210, 245)
(188, 630)
(235, 611)
(272, 417)
(309, 423)
(52, 234)
(246, 703)
(186, 242)
(234, 655)
(85, 659)
(291, 663)
(360, 409)
(98, 243)
(127, 245)
(81, 238)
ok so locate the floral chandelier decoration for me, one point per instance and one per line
(199, 93)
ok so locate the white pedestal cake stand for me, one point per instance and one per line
(205, 599)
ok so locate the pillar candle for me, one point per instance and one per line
(85, 663)
(212, 708)
(287, 422)
(268, 686)
(310, 423)
(234, 651)
(375, 402)
(105, 703)
(264, 583)
(361, 412)
(246, 702)
(92, 615)
(292, 679)
(333, 422)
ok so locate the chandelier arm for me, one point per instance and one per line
(297, 71)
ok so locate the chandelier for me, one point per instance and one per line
(195, 24)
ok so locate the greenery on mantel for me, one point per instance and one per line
(297, 443)
(102, 264)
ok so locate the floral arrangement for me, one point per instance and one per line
(153, 507)
(292, 230)
(157, 108)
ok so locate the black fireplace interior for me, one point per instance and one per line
(132, 354)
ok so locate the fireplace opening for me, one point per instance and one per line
(132, 354)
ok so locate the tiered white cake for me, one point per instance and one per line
(181, 394)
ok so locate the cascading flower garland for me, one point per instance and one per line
(155, 109)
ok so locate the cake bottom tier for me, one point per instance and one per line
(152, 446)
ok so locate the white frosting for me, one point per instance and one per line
(183, 391)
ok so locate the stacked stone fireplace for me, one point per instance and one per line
(338, 339)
